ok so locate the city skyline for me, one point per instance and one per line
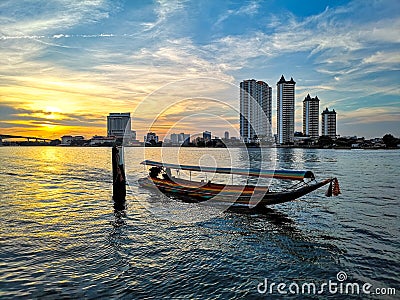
(65, 67)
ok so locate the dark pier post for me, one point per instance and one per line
(119, 180)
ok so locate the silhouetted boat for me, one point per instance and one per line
(240, 195)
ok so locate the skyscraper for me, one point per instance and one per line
(226, 135)
(285, 107)
(311, 116)
(329, 123)
(255, 110)
(119, 125)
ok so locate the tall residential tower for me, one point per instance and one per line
(311, 117)
(329, 123)
(255, 110)
(285, 107)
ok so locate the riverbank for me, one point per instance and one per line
(25, 144)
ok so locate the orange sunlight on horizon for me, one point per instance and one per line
(69, 104)
(36, 108)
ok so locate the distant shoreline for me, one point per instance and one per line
(191, 147)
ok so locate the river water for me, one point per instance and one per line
(62, 238)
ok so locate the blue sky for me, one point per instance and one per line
(67, 64)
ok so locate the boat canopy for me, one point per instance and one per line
(278, 174)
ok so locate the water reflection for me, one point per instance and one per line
(119, 218)
(63, 237)
(273, 216)
(273, 226)
(311, 155)
(286, 158)
(119, 212)
(119, 205)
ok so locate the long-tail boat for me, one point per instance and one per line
(247, 195)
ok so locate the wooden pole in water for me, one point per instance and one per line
(119, 180)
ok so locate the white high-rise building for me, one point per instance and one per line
(285, 110)
(311, 117)
(119, 125)
(328, 123)
(255, 110)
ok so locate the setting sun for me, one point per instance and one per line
(52, 113)
(52, 109)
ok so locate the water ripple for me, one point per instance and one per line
(62, 238)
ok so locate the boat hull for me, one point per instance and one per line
(235, 195)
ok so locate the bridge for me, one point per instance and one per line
(28, 138)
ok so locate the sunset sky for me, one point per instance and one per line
(176, 65)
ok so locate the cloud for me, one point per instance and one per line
(76, 55)
(49, 16)
(383, 57)
(41, 123)
(333, 39)
(10, 113)
(370, 115)
(331, 29)
(164, 10)
(249, 9)
(186, 58)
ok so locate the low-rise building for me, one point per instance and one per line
(151, 137)
(68, 140)
(101, 140)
